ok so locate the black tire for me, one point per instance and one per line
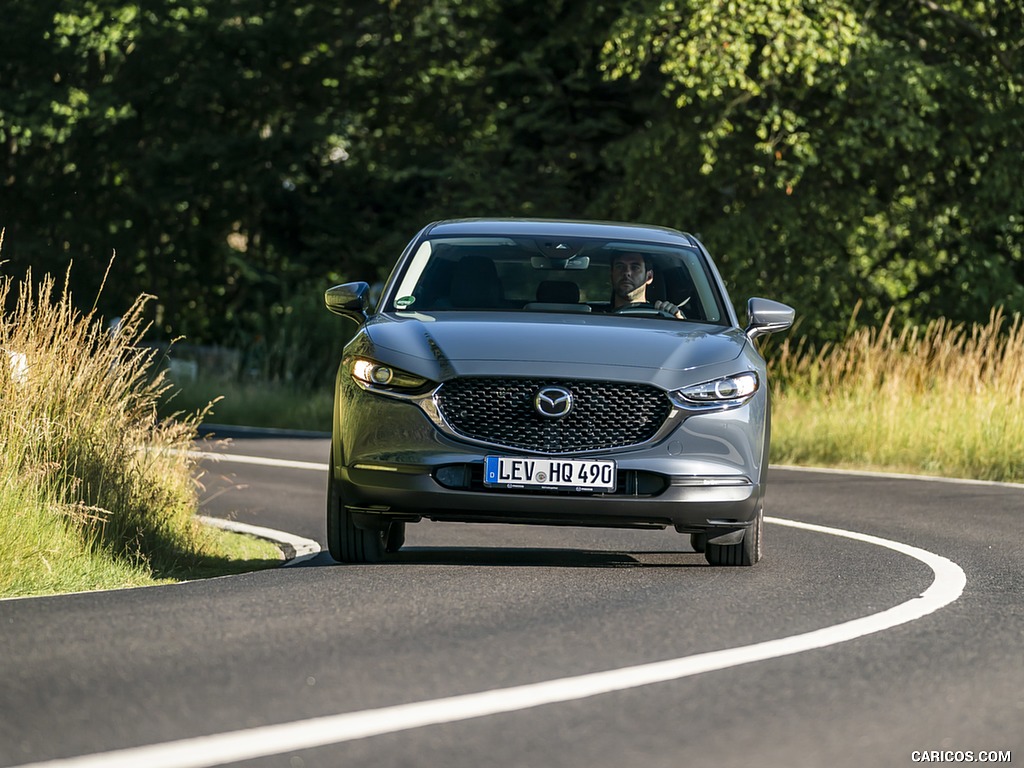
(698, 541)
(346, 543)
(395, 537)
(747, 552)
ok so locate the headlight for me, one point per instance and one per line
(379, 377)
(728, 392)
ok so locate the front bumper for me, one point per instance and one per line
(706, 474)
(409, 493)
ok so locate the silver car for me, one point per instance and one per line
(551, 373)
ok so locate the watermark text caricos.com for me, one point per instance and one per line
(960, 756)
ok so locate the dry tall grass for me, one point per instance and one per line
(941, 399)
(86, 467)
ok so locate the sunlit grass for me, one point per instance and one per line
(941, 399)
(44, 555)
(95, 490)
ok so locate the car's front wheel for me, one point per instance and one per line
(346, 542)
(395, 536)
(746, 552)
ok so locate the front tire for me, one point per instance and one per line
(346, 542)
(746, 552)
(395, 536)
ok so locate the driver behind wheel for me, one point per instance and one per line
(631, 274)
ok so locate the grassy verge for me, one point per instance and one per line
(939, 400)
(95, 490)
(255, 404)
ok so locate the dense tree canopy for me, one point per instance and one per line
(843, 151)
(240, 155)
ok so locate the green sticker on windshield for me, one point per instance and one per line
(404, 302)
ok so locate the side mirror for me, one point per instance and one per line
(765, 316)
(349, 300)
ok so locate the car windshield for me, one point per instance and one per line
(526, 275)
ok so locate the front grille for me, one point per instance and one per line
(605, 415)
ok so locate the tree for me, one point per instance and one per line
(834, 153)
(240, 155)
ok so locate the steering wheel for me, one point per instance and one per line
(642, 308)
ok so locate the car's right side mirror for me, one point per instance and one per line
(349, 300)
(765, 316)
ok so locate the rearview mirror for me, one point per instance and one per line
(549, 262)
(765, 316)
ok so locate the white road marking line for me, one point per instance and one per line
(218, 749)
(239, 458)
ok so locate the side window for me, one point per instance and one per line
(681, 290)
(704, 295)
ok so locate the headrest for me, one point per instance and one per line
(558, 292)
(475, 284)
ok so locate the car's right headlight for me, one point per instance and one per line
(386, 379)
(723, 393)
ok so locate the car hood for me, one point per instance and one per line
(445, 345)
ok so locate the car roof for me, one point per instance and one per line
(559, 228)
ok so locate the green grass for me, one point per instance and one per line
(938, 400)
(96, 491)
(46, 556)
(255, 404)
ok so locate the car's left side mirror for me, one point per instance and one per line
(765, 316)
(349, 300)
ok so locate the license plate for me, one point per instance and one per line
(556, 474)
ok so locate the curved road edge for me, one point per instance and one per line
(295, 549)
(268, 740)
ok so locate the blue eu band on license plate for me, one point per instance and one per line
(559, 474)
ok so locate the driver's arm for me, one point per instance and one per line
(670, 308)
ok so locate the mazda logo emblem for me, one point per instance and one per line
(553, 402)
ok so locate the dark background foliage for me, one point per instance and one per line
(239, 156)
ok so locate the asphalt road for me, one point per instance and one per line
(466, 609)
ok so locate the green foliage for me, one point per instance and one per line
(256, 403)
(183, 136)
(833, 152)
(95, 491)
(880, 399)
(240, 154)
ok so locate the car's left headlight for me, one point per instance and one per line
(727, 392)
(386, 379)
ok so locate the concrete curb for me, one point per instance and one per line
(295, 549)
